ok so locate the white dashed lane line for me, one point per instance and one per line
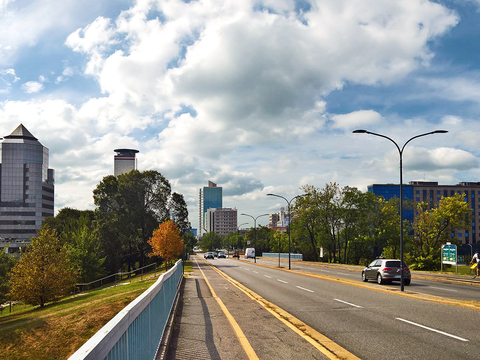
(282, 281)
(434, 330)
(439, 288)
(267, 276)
(305, 289)
(347, 303)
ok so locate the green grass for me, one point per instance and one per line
(59, 329)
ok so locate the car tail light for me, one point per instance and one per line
(407, 269)
(387, 269)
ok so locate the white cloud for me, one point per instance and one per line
(31, 87)
(356, 119)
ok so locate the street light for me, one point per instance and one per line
(238, 233)
(400, 151)
(289, 221)
(255, 226)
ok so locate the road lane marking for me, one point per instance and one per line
(282, 281)
(267, 276)
(434, 287)
(322, 343)
(357, 306)
(256, 272)
(305, 289)
(246, 268)
(236, 328)
(434, 330)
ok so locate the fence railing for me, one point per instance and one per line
(114, 278)
(136, 331)
(283, 256)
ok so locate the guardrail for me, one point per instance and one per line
(136, 331)
(283, 256)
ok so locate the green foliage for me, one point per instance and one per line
(190, 241)
(233, 241)
(129, 208)
(44, 272)
(210, 241)
(179, 210)
(7, 262)
(433, 227)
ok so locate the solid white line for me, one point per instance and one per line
(433, 287)
(304, 289)
(267, 276)
(357, 306)
(282, 281)
(437, 331)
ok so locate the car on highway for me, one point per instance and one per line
(222, 255)
(385, 271)
(209, 255)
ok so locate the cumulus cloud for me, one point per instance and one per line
(31, 87)
(356, 119)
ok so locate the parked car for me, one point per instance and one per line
(209, 255)
(386, 270)
(222, 255)
(235, 255)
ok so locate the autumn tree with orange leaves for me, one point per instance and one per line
(166, 242)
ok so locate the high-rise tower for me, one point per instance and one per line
(26, 187)
(124, 161)
(209, 198)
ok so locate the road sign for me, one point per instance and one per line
(449, 254)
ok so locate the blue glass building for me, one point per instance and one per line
(210, 198)
(389, 191)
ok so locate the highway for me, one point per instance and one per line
(367, 322)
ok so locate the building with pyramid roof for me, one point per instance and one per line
(26, 188)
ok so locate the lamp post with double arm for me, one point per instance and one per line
(289, 221)
(400, 151)
(255, 229)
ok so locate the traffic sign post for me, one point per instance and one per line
(449, 256)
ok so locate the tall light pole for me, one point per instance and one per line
(255, 226)
(289, 221)
(238, 233)
(400, 151)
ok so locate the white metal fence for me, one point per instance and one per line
(283, 256)
(136, 331)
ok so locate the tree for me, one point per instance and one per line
(76, 229)
(210, 241)
(129, 208)
(179, 210)
(434, 227)
(7, 262)
(44, 272)
(166, 242)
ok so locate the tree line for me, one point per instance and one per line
(353, 227)
(137, 221)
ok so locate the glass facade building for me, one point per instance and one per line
(210, 198)
(26, 188)
(431, 193)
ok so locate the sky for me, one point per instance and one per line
(258, 96)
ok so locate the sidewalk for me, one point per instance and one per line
(202, 331)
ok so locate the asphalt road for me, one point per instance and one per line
(371, 324)
(454, 287)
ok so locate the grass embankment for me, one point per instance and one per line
(58, 330)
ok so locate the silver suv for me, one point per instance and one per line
(386, 270)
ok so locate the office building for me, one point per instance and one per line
(222, 221)
(26, 188)
(210, 197)
(125, 161)
(431, 193)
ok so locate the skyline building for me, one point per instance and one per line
(431, 193)
(210, 197)
(124, 161)
(222, 221)
(26, 188)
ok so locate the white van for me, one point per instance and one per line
(249, 253)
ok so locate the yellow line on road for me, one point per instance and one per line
(238, 331)
(323, 344)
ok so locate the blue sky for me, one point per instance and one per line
(259, 96)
